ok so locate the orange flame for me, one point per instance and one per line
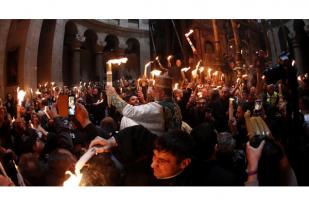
(118, 61)
(176, 86)
(185, 69)
(189, 33)
(20, 96)
(155, 72)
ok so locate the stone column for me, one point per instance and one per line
(237, 43)
(297, 52)
(4, 32)
(217, 42)
(76, 47)
(99, 60)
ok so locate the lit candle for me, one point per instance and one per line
(45, 111)
(20, 96)
(189, 40)
(194, 73)
(169, 60)
(183, 70)
(155, 73)
(109, 74)
(176, 86)
(145, 68)
(222, 76)
(209, 72)
(74, 179)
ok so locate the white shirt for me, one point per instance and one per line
(149, 115)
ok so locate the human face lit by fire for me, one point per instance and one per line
(165, 164)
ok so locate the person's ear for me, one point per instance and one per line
(185, 163)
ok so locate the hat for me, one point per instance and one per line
(164, 82)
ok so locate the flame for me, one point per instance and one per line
(185, 69)
(194, 73)
(222, 76)
(263, 77)
(117, 61)
(145, 70)
(176, 86)
(169, 57)
(45, 85)
(201, 69)
(245, 76)
(293, 63)
(299, 78)
(237, 80)
(73, 180)
(13, 120)
(198, 64)
(215, 73)
(209, 71)
(200, 94)
(38, 92)
(20, 96)
(189, 33)
(156, 72)
(52, 83)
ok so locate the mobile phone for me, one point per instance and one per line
(258, 107)
(71, 105)
(62, 104)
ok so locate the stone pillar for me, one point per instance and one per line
(99, 60)
(57, 52)
(76, 47)
(123, 23)
(237, 43)
(144, 53)
(28, 73)
(143, 24)
(4, 31)
(217, 42)
(274, 56)
(297, 52)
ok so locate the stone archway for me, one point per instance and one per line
(45, 52)
(88, 56)
(68, 54)
(133, 53)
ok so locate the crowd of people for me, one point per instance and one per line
(248, 127)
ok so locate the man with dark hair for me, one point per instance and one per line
(171, 155)
(101, 170)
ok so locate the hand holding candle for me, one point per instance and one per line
(109, 74)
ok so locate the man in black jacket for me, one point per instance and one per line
(170, 153)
